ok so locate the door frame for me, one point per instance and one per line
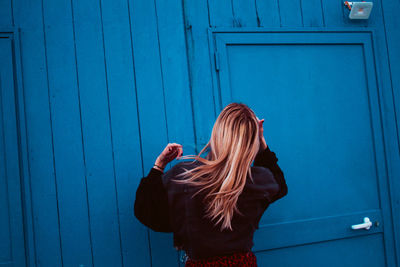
(389, 139)
(13, 34)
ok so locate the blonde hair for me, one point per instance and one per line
(233, 145)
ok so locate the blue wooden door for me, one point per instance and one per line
(12, 250)
(319, 94)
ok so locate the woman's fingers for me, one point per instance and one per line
(261, 128)
(178, 149)
(173, 150)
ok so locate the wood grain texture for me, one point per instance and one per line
(45, 216)
(12, 248)
(333, 13)
(65, 111)
(151, 95)
(6, 13)
(124, 122)
(312, 13)
(291, 13)
(177, 99)
(268, 13)
(107, 84)
(201, 84)
(97, 133)
(245, 13)
(391, 81)
(221, 13)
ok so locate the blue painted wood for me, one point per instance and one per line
(334, 13)
(23, 151)
(313, 15)
(125, 129)
(200, 72)
(393, 38)
(69, 163)
(179, 116)
(5, 235)
(106, 35)
(97, 134)
(384, 121)
(12, 247)
(6, 13)
(320, 254)
(309, 231)
(149, 82)
(291, 13)
(221, 13)
(263, 60)
(375, 18)
(391, 61)
(175, 73)
(5, 243)
(245, 13)
(41, 182)
(268, 13)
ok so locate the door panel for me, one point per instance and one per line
(12, 250)
(366, 250)
(318, 94)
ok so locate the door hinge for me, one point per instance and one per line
(216, 60)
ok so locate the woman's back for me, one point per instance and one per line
(198, 235)
(213, 205)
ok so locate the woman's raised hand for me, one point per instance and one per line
(263, 144)
(170, 152)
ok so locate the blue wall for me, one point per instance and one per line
(100, 82)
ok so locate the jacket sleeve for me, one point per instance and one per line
(151, 203)
(266, 158)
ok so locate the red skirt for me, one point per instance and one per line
(240, 259)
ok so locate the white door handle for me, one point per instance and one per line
(366, 225)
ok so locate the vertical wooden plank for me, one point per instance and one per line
(45, 230)
(125, 127)
(6, 13)
(291, 13)
(177, 100)
(68, 150)
(333, 12)
(174, 63)
(11, 156)
(5, 231)
(391, 36)
(148, 81)
(152, 117)
(25, 155)
(245, 13)
(197, 21)
(221, 13)
(268, 13)
(376, 17)
(98, 149)
(391, 22)
(312, 13)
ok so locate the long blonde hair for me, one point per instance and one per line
(233, 145)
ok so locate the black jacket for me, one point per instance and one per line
(165, 206)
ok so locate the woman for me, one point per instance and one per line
(213, 205)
